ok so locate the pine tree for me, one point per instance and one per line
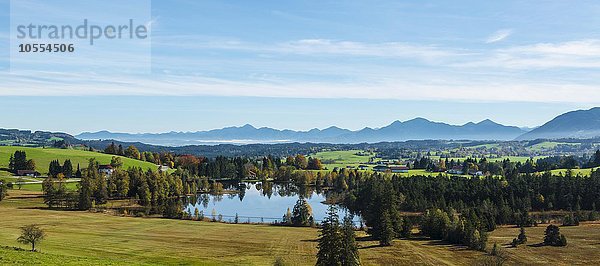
(349, 256)
(386, 230)
(553, 237)
(67, 168)
(330, 240)
(522, 237)
(302, 213)
(85, 193)
(78, 173)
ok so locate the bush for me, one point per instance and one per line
(553, 237)
(570, 220)
(279, 262)
(592, 216)
(521, 238)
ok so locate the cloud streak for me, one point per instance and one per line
(498, 90)
(499, 35)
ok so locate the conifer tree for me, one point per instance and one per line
(330, 240)
(349, 256)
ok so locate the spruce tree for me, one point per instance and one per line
(330, 240)
(302, 213)
(349, 256)
(386, 230)
(67, 168)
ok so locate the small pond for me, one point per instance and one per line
(260, 203)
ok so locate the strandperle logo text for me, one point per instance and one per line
(84, 31)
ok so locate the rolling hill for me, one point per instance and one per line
(575, 124)
(43, 156)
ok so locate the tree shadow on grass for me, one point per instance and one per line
(365, 238)
(371, 246)
(48, 209)
(538, 245)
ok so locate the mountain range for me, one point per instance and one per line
(578, 124)
(415, 129)
(582, 124)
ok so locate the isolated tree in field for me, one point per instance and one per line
(349, 254)
(31, 234)
(521, 239)
(330, 240)
(553, 237)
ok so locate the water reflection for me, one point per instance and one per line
(262, 202)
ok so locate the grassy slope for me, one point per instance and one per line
(43, 156)
(584, 172)
(99, 237)
(93, 238)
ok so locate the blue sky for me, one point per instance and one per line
(306, 64)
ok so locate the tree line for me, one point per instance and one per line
(506, 166)
(462, 209)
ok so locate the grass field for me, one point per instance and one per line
(584, 172)
(43, 156)
(547, 145)
(342, 159)
(76, 238)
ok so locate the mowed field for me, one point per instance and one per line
(341, 159)
(43, 157)
(76, 238)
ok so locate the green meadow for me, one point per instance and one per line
(43, 157)
(341, 159)
(87, 238)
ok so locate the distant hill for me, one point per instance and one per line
(34, 138)
(575, 124)
(415, 129)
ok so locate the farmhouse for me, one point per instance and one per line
(105, 169)
(457, 170)
(30, 173)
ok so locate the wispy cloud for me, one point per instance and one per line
(438, 88)
(571, 54)
(321, 47)
(499, 35)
